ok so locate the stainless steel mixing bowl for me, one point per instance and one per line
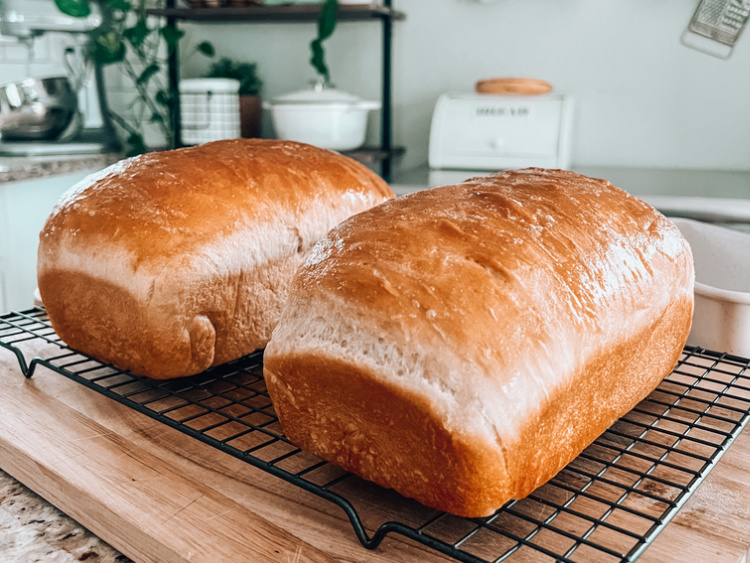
(41, 109)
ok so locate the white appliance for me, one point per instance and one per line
(475, 134)
(25, 20)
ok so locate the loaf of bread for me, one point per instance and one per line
(463, 344)
(169, 263)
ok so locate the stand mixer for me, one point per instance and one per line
(55, 115)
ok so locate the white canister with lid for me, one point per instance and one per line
(209, 109)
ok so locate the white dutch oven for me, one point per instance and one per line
(321, 116)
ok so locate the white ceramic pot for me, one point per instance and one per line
(721, 320)
(320, 116)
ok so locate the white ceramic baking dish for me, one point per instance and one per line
(721, 321)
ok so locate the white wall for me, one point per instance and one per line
(46, 59)
(643, 98)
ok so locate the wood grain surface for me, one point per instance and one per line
(160, 496)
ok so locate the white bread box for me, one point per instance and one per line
(493, 132)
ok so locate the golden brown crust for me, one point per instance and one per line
(164, 205)
(109, 323)
(346, 415)
(184, 258)
(518, 316)
(608, 386)
(379, 432)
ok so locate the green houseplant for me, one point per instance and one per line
(326, 26)
(250, 87)
(128, 39)
(138, 47)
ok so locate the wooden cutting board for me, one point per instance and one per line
(160, 496)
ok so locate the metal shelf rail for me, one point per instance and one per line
(383, 13)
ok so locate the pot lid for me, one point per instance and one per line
(318, 94)
(203, 85)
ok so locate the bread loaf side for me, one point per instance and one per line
(168, 263)
(463, 344)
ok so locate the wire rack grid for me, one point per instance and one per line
(607, 505)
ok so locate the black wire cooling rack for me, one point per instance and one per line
(606, 505)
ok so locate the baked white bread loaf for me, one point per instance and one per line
(463, 344)
(168, 263)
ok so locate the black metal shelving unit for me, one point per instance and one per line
(607, 505)
(384, 13)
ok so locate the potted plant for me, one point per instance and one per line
(250, 86)
(130, 40)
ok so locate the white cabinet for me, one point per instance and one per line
(24, 207)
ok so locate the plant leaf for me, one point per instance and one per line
(147, 73)
(157, 118)
(327, 19)
(137, 34)
(171, 35)
(326, 25)
(318, 58)
(108, 48)
(120, 5)
(74, 8)
(135, 145)
(246, 73)
(207, 48)
(162, 97)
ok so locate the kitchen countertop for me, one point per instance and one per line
(17, 168)
(708, 195)
(711, 195)
(639, 181)
(32, 530)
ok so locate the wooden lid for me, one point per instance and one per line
(514, 86)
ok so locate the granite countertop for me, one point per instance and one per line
(17, 168)
(32, 530)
